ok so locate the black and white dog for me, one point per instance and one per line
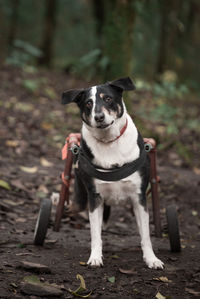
(112, 166)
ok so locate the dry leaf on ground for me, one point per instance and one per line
(30, 170)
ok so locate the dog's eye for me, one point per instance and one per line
(89, 104)
(108, 100)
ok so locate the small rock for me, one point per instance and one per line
(34, 267)
(41, 290)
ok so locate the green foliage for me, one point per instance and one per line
(193, 124)
(166, 105)
(31, 84)
(169, 90)
(90, 64)
(23, 53)
(166, 113)
(183, 151)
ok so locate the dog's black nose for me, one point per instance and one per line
(99, 117)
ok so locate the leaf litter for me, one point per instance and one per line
(79, 292)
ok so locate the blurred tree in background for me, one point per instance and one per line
(154, 41)
(48, 32)
(105, 39)
(114, 23)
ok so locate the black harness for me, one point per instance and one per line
(111, 174)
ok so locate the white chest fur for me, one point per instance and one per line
(117, 153)
(119, 192)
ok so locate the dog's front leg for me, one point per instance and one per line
(142, 219)
(96, 218)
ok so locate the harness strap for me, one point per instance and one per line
(115, 174)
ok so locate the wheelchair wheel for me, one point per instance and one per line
(42, 222)
(173, 228)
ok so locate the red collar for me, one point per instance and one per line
(122, 131)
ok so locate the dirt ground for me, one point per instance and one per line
(33, 126)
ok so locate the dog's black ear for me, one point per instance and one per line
(123, 83)
(72, 95)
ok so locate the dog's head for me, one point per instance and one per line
(100, 105)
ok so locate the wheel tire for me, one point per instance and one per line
(173, 228)
(42, 222)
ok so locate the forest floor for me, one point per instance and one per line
(33, 127)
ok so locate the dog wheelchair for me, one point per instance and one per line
(69, 154)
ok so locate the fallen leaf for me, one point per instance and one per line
(111, 279)
(193, 246)
(128, 271)
(20, 220)
(160, 296)
(46, 126)
(50, 92)
(30, 170)
(196, 170)
(18, 184)
(12, 143)
(5, 185)
(81, 288)
(26, 253)
(192, 292)
(32, 279)
(51, 241)
(32, 285)
(83, 263)
(194, 213)
(43, 188)
(45, 163)
(114, 256)
(41, 194)
(162, 278)
(34, 267)
(14, 203)
(82, 285)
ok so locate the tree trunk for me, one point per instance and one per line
(118, 37)
(13, 24)
(3, 40)
(162, 51)
(48, 33)
(193, 13)
(170, 12)
(98, 11)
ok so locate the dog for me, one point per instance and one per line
(113, 167)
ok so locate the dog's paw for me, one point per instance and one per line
(95, 261)
(154, 263)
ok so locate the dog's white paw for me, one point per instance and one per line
(95, 261)
(154, 263)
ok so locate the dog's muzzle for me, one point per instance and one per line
(99, 117)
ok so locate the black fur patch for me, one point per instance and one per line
(109, 98)
(85, 191)
(144, 172)
(85, 111)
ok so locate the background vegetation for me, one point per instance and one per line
(155, 42)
